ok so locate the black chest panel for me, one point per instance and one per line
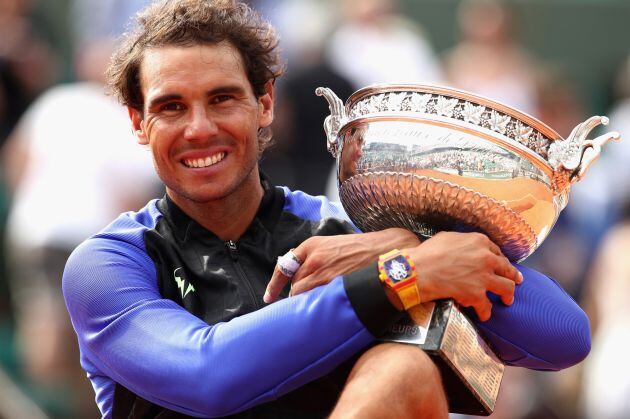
(218, 281)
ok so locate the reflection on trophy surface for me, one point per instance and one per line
(429, 159)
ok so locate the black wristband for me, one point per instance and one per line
(367, 297)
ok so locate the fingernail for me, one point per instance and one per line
(520, 277)
(267, 297)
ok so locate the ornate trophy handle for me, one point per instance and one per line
(334, 121)
(576, 154)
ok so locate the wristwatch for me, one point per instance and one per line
(398, 273)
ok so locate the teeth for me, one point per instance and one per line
(208, 161)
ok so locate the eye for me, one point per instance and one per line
(221, 98)
(172, 106)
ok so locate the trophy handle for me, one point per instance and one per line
(571, 158)
(334, 121)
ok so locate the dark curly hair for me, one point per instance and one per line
(196, 22)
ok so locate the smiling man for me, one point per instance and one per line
(172, 304)
(193, 94)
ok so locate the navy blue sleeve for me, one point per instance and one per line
(544, 329)
(166, 355)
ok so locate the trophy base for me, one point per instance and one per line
(471, 372)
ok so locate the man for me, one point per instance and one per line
(168, 302)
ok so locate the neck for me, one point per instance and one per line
(228, 217)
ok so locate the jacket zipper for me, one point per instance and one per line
(233, 251)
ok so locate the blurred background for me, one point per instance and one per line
(69, 162)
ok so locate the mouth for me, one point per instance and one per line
(204, 162)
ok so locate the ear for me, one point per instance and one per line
(136, 122)
(265, 105)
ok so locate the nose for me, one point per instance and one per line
(200, 125)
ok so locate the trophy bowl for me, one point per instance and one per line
(430, 158)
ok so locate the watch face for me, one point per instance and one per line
(397, 268)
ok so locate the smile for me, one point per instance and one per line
(208, 161)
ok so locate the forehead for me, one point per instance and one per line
(173, 67)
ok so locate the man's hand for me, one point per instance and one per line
(325, 257)
(464, 266)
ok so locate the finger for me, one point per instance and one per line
(300, 275)
(302, 271)
(298, 286)
(484, 241)
(301, 252)
(279, 279)
(503, 287)
(483, 309)
(494, 248)
(305, 284)
(506, 269)
(274, 287)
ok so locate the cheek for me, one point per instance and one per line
(159, 160)
(252, 143)
(243, 131)
(160, 145)
(161, 136)
(163, 127)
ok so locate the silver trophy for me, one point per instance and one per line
(428, 159)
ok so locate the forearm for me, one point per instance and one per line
(213, 371)
(388, 239)
(544, 329)
(325, 257)
(142, 341)
(367, 247)
(347, 253)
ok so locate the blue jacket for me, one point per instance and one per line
(170, 314)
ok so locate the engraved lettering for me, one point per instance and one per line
(405, 329)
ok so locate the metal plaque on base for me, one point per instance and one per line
(470, 370)
(431, 158)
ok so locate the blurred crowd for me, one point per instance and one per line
(69, 164)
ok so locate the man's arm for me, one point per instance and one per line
(326, 257)
(531, 323)
(544, 329)
(166, 355)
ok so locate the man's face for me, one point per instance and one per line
(201, 120)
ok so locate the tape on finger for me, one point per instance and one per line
(289, 263)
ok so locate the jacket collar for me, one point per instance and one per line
(268, 214)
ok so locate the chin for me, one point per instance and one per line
(215, 188)
(205, 196)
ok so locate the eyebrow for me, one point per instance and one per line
(174, 96)
(162, 99)
(226, 89)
